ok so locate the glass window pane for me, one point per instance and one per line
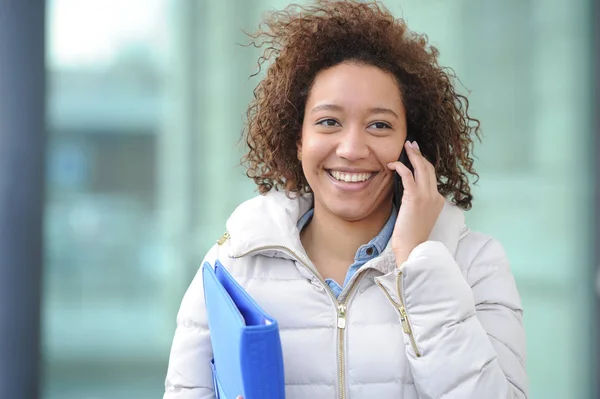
(106, 326)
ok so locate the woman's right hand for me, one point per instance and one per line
(421, 203)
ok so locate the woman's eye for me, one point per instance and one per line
(328, 122)
(381, 125)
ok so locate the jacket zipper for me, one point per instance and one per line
(402, 310)
(341, 308)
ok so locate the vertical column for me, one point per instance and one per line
(177, 162)
(224, 90)
(22, 149)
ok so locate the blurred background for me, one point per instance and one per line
(145, 101)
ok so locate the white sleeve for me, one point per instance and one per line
(189, 375)
(468, 330)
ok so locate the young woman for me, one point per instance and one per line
(373, 301)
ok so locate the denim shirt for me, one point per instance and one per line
(365, 253)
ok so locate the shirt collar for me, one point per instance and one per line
(381, 240)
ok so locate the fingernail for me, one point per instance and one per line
(416, 145)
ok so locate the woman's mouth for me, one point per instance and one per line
(348, 177)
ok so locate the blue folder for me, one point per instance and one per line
(247, 356)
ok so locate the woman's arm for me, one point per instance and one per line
(465, 336)
(189, 375)
(468, 332)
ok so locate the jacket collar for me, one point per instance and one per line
(267, 220)
(267, 224)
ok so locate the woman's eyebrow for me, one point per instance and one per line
(338, 108)
(383, 111)
(327, 107)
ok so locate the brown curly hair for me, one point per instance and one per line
(306, 40)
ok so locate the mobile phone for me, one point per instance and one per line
(398, 187)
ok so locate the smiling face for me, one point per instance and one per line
(354, 125)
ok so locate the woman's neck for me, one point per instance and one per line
(327, 236)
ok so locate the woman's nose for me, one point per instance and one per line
(353, 145)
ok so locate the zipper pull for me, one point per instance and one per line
(404, 320)
(341, 316)
(223, 238)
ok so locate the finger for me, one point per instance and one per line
(419, 164)
(408, 180)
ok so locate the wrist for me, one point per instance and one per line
(402, 253)
(401, 256)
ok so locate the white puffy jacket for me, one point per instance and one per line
(446, 324)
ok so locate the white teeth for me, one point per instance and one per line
(350, 177)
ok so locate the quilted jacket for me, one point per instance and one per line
(445, 324)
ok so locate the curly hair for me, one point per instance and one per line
(302, 41)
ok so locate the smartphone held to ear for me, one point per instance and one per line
(398, 187)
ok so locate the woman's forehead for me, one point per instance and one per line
(347, 86)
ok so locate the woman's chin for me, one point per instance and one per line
(351, 206)
(349, 210)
